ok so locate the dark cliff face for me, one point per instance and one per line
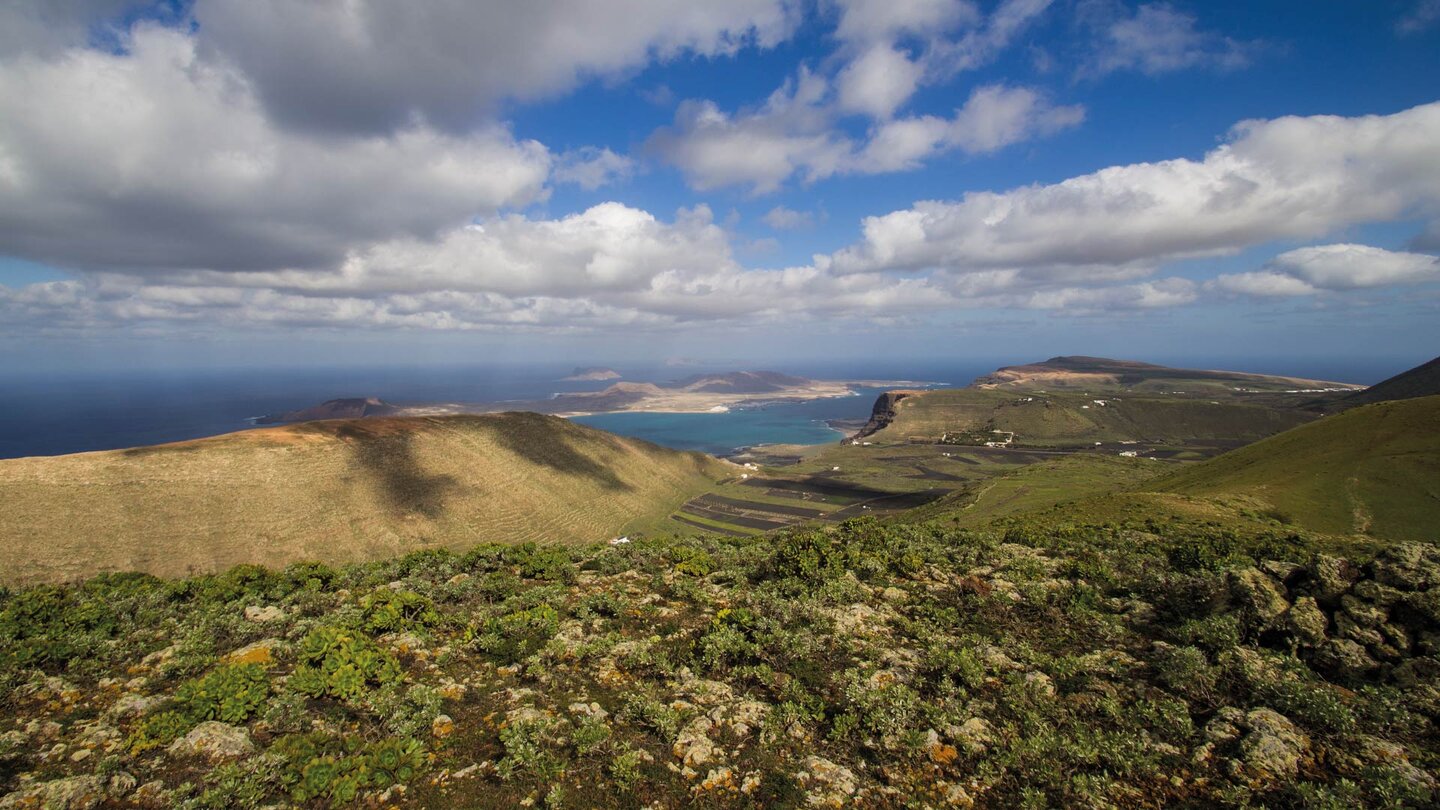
(351, 408)
(883, 413)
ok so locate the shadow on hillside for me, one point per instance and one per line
(541, 442)
(390, 460)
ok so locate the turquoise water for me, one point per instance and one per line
(720, 433)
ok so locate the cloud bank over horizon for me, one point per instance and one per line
(262, 165)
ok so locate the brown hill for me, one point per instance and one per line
(336, 491)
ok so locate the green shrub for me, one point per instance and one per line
(158, 730)
(515, 636)
(526, 750)
(343, 664)
(230, 694)
(335, 769)
(387, 611)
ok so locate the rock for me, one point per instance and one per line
(260, 615)
(1286, 572)
(974, 735)
(1041, 683)
(1363, 613)
(458, 578)
(1259, 593)
(693, 745)
(151, 794)
(81, 755)
(939, 752)
(1408, 566)
(1347, 627)
(121, 784)
(74, 793)
(1225, 726)
(1307, 621)
(261, 652)
(1274, 746)
(1372, 591)
(442, 726)
(1331, 577)
(1346, 657)
(215, 741)
(827, 784)
(159, 657)
(130, 706)
(588, 710)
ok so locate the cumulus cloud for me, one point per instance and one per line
(41, 26)
(787, 219)
(590, 168)
(1282, 178)
(373, 65)
(157, 158)
(1340, 267)
(793, 135)
(1159, 38)
(878, 81)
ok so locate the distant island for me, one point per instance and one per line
(701, 393)
(591, 374)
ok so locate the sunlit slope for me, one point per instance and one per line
(1372, 470)
(1077, 419)
(338, 490)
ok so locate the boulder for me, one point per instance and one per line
(1345, 657)
(261, 652)
(1363, 613)
(74, 793)
(1331, 577)
(827, 784)
(261, 614)
(1259, 593)
(1273, 746)
(1408, 566)
(214, 741)
(1307, 621)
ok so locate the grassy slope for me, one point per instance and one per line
(336, 491)
(1063, 419)
(1421, 381)
(1043, 485)
(1372, 470)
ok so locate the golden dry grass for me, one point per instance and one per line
(336, 491)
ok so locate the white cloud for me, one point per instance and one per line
(878, 81)
(41, 26)
(590, 168)
(885, 20)
(792, 135)
(157, 158)
(1340, 267)
(1158, 38)
(1169, 292)
(1282, 178)
(787, 219)
(1422, 16)
(373, 65)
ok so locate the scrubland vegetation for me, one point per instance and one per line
(869, 664)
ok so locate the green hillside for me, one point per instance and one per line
(338, 491)
(1074, 420)
(1373, 470)
(1421, 381)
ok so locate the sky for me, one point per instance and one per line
(308, 182)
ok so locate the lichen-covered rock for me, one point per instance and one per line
(826, 784)
(1372, 591)
(214, 741)
(1259, 593)
(1273, 746)
(974, 735)
(1307, 621)
(74, 793)
(1345, 657)
(261, 652)
(1331, 577)
(1408, 566)
(1363, 613)
(261, 614)
(693, 745)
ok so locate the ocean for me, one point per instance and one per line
(56, 413)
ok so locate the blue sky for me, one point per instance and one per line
(250, 181)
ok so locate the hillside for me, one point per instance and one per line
(1421, 381)
(337, 491)
(348, 408)
(1076, 420)
(1372, 470)
(1104, 374)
